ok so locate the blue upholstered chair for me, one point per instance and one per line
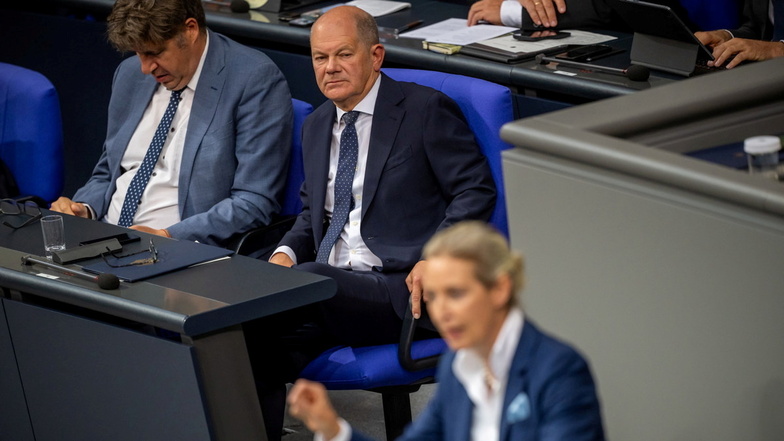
(396, 370)
(261, 240)
(713, 14)
(31, 138)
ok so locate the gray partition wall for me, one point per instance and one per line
(665, 270)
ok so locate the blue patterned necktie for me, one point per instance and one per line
(778, 20)
(142, 176)
(344, 179)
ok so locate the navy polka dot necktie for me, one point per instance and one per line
(142, 176)
(344, 179)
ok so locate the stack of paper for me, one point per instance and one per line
(377, 8)
(456, 31)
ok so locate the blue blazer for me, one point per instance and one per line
(424, 172)
(236, 152)
(550, 396)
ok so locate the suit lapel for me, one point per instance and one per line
(317, 168)
(387, 117)
(205, 103)
(517, 407)
(139, 96)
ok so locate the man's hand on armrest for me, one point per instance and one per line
(281, 259)
(414, 282)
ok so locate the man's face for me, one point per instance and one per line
(345, 67)
(173, 63)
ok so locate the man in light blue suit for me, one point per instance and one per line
(223, 141)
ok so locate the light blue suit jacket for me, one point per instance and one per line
(550, 396)
(236, 151)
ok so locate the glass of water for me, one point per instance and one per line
(54, 234)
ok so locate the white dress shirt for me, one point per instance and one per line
(511, 13)
(471, 371)
(158, 207)
(350, 251)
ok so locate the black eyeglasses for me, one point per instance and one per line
(153, 258)
(10, 207)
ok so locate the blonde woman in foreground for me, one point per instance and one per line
(503, 378)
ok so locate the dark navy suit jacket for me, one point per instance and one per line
(550, 396)
(756, 24)
(424, 172)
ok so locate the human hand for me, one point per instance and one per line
(67, 206)
(713, 38)
(543, 12)
(281, 259)
(414, 283)
(745, 50)
(149, 230)
(485, 10)
(309, 402)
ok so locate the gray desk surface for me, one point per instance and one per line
(192, 301)
(265, 28)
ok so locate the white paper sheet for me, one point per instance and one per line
(457, 31)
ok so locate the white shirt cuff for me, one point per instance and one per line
(90, 210)
(344, 434)
(287, 251)
(511, 13)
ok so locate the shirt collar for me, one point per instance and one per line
(367, 104)
(468, 366)
(195, 80)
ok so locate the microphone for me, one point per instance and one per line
(104, 281)
(239, 6)
(635, 72)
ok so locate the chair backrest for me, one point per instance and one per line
(486, 106)
(31, 136)
(292, 204)
(713, 14)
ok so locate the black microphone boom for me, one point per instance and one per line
(635, 72)
(104, 281)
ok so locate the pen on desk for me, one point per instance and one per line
(410, 26)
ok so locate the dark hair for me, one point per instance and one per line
(135, 24)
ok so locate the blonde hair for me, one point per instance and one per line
(483, 245)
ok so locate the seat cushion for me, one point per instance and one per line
(345, 367)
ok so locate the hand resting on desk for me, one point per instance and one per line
(542, 12)
(67, 206)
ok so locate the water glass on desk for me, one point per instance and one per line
(762, 153)
(54, 234)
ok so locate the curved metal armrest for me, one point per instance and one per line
(406, 340)
(261, 241)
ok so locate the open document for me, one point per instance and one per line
(456, 31)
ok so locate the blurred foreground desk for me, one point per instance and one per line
(664, 269)
(76, 364)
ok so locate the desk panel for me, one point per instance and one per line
(14, 419)
(86, 380)
(664, 269)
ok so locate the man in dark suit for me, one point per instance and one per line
(760, 37)
(222, 163)
(417, 170)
